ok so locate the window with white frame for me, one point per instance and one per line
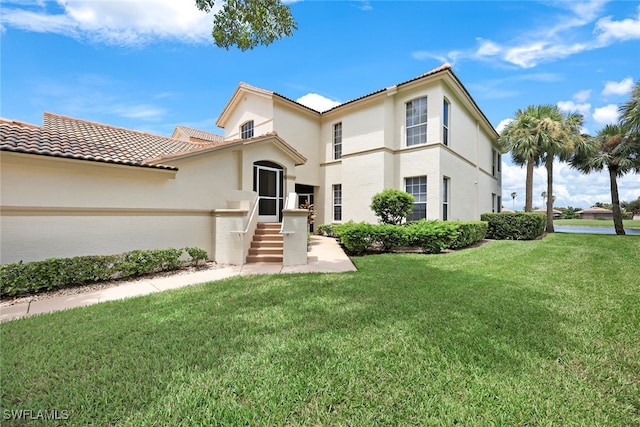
(337, 141)
(416, 121)
(337, 202)
(446, 111)
(445, 197)
(417, 187)
(246, 130)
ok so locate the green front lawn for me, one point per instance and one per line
(628, 223)
(539, 332)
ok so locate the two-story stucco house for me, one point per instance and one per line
(72, 187)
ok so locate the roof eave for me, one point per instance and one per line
(242, 89)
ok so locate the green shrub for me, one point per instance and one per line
(23, 278)
(356, 238)
(389, 236)
(514, 226)
(197, 255)
(326, 230)
(392, 206)
(469, 232)
(431, 236)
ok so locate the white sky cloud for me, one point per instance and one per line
(606, 115)
(626, 29)
(120, 23)
(570, 187)
(317, 102)
(622, 87)
(571, 106)
(503, 124)
(576, 29)
(582, 96)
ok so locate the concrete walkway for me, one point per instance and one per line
(325, 256)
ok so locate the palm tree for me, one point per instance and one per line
(519, 138)
(513, 198)
(559, 137)
(630, 111)
(619, 153)
(544, 197)
(540, 133)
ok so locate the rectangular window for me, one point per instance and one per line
(337, 202)
(416, 121)
(446, 108)
(496, 166)
(417, 187)
(337, 141)
(493, 202)
(499, 206)
(445, 198)
(246, 130)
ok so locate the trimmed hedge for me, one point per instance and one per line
(469, 232)
(429, 236)
(515, 226)
(31, 277)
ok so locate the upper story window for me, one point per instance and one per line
(446, 111)
(337, 141)
(246, 130)
(496, 166)
(416, 121)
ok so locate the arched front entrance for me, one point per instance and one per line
(268, 182)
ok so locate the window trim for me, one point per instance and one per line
(446, 196)
(337, 141)
(337, 214)
(417, 202)
(446, 119)
(413, 126)
(246, 129)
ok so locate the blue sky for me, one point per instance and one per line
(151, 64)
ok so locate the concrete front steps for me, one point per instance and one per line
(267, 244)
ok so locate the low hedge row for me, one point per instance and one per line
(429, 236)
(31, 277)
(515, 226)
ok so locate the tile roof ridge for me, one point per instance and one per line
(104, 125)
(443, 67)
(20, 123)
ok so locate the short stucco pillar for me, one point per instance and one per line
(295, 236)
(228, 239)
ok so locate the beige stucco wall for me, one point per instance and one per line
(57, 207)
(375, 155)
(301, 129)
(251, 106)
(30, 237)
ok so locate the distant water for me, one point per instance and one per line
(592, 230)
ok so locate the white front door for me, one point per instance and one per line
(269, 189)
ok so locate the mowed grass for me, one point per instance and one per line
(542, 332)
(628, 223)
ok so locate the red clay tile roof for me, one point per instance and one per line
(198, 136)
(67, 137)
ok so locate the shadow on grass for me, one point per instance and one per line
(248, 340)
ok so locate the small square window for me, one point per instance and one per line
(246, 130)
